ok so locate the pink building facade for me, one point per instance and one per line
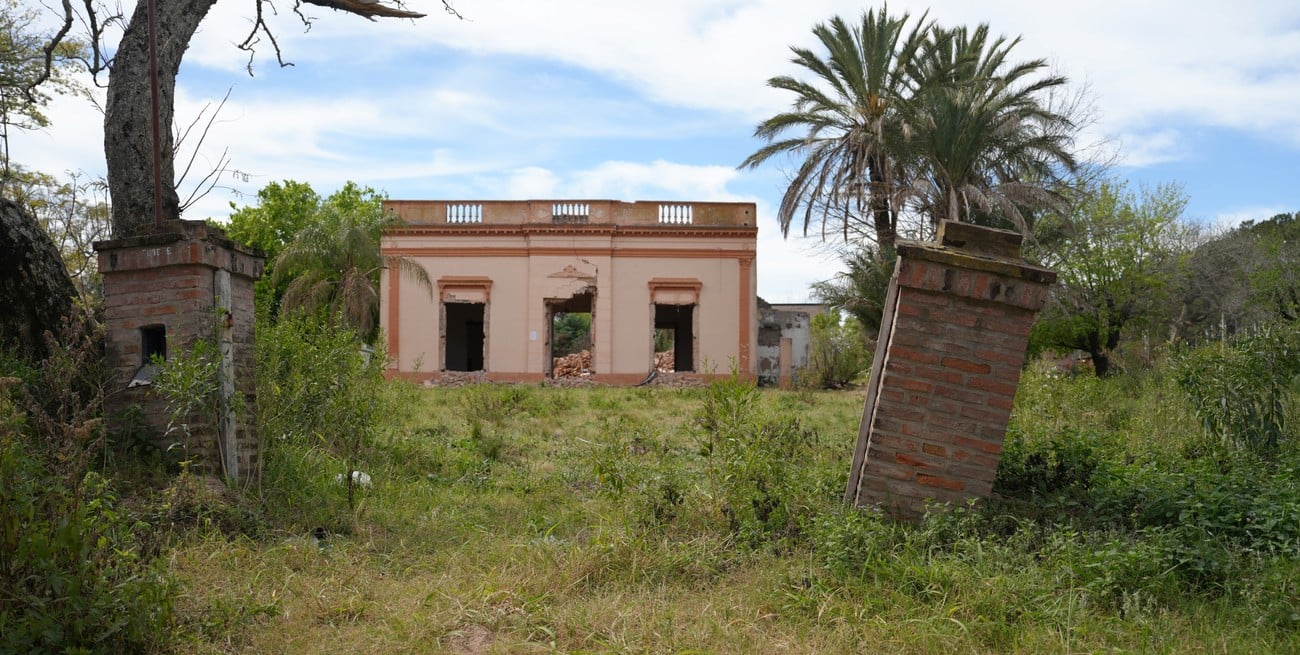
(501, 270)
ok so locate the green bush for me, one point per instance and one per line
(755, 462)
(71, 565)
(317, 388)
(1064, 461)
(649, 477)
(77, 570)
(1240, 390)
(190, 382)
(837, 353)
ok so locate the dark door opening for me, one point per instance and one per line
(673, 325)
(465, 336)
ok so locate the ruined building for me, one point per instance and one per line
(501, 271)
(163, 291)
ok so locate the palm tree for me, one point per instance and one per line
(334, 263)
(928, 121)
(853, 122)
(860, 290)
(989, 149)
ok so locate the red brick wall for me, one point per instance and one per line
(948, 362)
(168, 279)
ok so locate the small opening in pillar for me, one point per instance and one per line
(153, 341)
(153, 344)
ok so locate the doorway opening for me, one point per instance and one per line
(674, 332)
(570, 337)
(465, 336)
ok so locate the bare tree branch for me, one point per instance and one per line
(259, 25)
(366, 8)
(181, 136)
(48, 52)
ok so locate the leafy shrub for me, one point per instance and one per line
(189, 381)
(753, 461)
(74, 576)
(648, 476)
(1240, 390)
(1062, 462)
(76, 568)
(848, 539)
(837, 354)
(317, 387)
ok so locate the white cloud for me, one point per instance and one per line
(661, 180)
(532, 182)
(1235, 217)
(1145, 149)
(598, 99)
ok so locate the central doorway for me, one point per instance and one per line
(465, 336)
(674, 331)
(570, 336)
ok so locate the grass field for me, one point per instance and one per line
(520, 519)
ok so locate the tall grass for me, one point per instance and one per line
(530, 519)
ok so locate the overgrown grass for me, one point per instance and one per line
(528, 519)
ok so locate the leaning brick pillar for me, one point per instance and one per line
(162, 291)
(952, 343)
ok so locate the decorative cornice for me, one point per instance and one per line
(604, 251)
(479, 230)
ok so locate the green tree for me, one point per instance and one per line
(332, 265)
(1116, 254)
(1274, 271)
(287, 209)
(852, 116)
(927, 120)
(283, 209)
(837, 353)
(23, 91)
(1244, 277)
(75, 215)
(570, 333)
(988, 147)
(860, 289)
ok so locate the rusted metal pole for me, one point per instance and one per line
(153, 118)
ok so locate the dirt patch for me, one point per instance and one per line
(470, 639)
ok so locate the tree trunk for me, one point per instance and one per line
(1100, 363)
(128, 135)
(35, 290)
(881, 216)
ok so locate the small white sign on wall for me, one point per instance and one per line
(532, 335)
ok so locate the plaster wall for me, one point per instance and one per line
(519, 268)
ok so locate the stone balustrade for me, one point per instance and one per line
(597, 212)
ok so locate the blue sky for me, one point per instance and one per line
(657, 101)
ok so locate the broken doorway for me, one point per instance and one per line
(464, 336)
(570, 337)
(674, 328)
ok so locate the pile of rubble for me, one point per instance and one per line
(577, 365)
(677, 380)
(456, 378)
(664, 362)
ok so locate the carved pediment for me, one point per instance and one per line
(574, 273)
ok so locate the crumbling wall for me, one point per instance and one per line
(193, 283)
(773, 326)
(952, 344)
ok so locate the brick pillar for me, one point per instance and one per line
(952, 343)
(167, 289)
